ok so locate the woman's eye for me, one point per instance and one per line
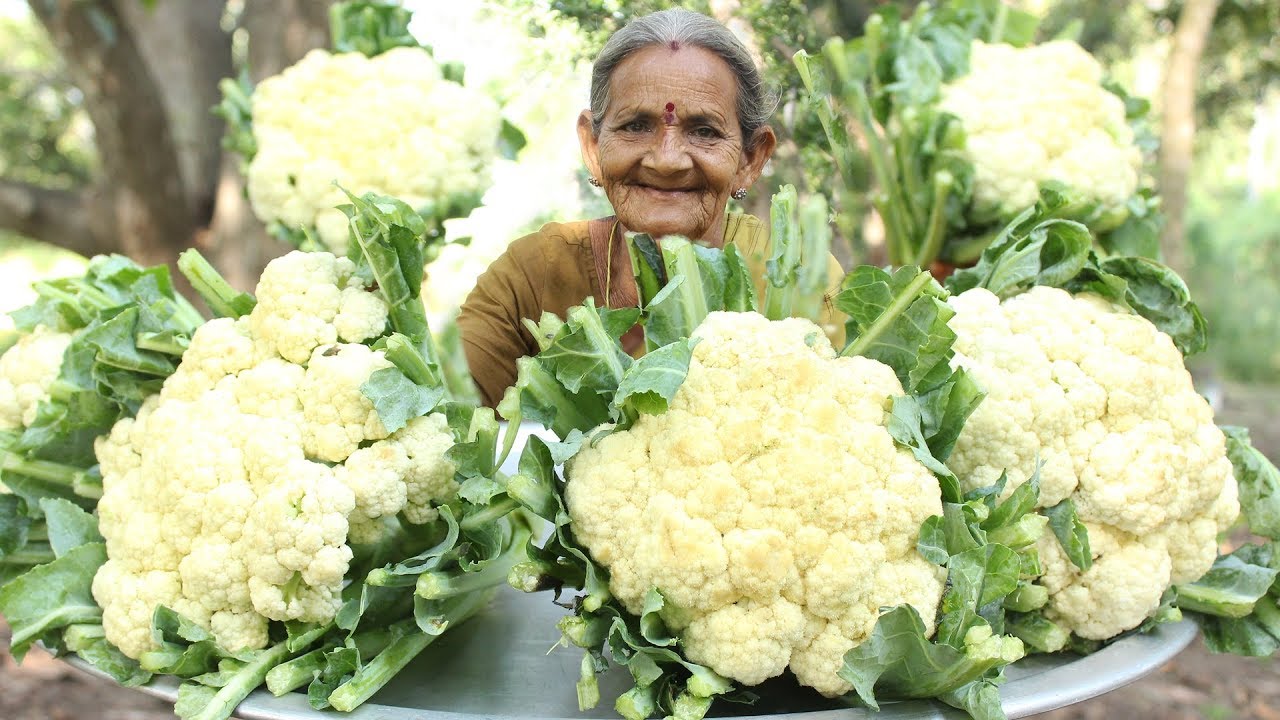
(706, 132)
(635, 126)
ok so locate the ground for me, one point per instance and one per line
(1194, 686)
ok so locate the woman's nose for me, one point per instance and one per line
(669, 152)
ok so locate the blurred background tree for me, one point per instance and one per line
(109, 144)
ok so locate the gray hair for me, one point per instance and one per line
(756, 102)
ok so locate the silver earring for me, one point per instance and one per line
(739, 194)
(594, 182)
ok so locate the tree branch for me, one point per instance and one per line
(58, 217)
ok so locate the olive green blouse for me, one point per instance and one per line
(558, 267)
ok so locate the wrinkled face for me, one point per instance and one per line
(670, 150)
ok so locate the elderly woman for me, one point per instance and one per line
(678, 124)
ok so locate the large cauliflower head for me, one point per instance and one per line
(769, 504)
(1101, 397)
(1036, 114)
(235, 493)
(419, 137)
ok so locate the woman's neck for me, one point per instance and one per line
(714, 237)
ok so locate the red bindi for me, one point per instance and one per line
(671, 107)
(669, 117)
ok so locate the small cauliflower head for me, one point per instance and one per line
(310, 299)
(1038, 114)
(233, 497)
(27, 370)
(420, 138)
(1101, 397)
(769, 504)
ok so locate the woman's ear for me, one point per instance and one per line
(589, 143)
(756, 155)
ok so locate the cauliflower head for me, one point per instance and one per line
(1101, 397)
(1036, 114)
(27, 370)
(234, 495)
(769, 504)
(420, 138)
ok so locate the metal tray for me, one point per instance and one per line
(505, 663)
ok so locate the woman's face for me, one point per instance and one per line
(670, 150)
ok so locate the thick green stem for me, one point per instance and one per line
(33, 553)
(873, 31)
(78, 637)
(997, 25)
(1038, 632)
(890, 205)
(48, 471)
(442, 585)
(536, 576)
(409, 359)
(889, 316)
(904, 159)
(289, 676)
(249, 677)
(376, 673)
(222, 299)
(936, 233)
(491, 512)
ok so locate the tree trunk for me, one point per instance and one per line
(1178, 126)
(188, 51)
(144, 203)
(280, 33)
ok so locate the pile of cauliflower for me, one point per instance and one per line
(769, 504)
(1038, 114)
(234, 495)
(1102, 398)
(389, 124)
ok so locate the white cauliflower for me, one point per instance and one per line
(234, 495)
(1036, 114)
(305, 295)
(420, 138)
(27, 370)
(1102, 398)
(769, 504)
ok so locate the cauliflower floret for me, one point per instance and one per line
(26, 371)
(1102, 398)
(1038, 114)
(338, 415)
(375, 475)
(1120, 590)
(430, 478)
(224, 348)
(761, 575)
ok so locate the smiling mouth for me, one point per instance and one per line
(666, 191)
